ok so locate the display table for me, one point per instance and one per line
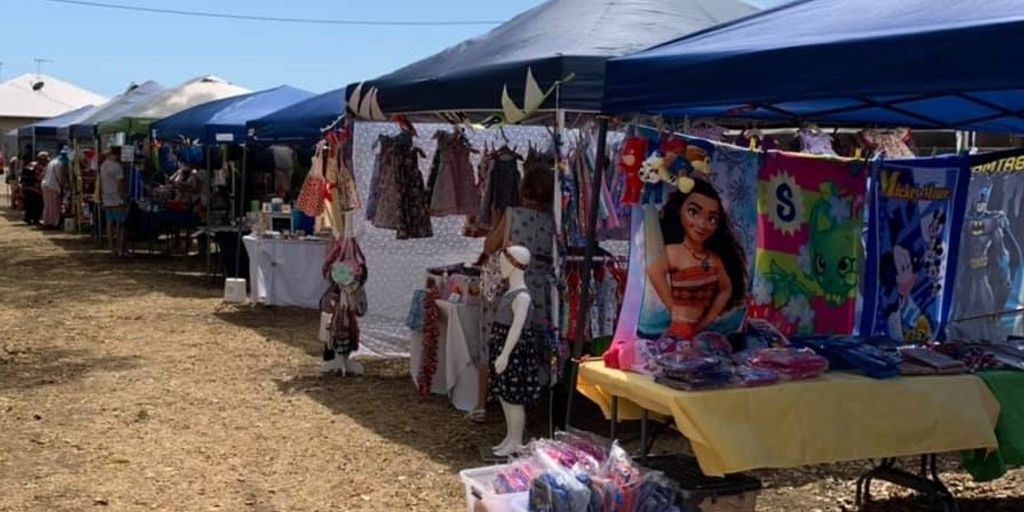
(838, 417)
(457, 375)
(461, 338)
(286, 272)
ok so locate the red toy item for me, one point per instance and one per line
(634, 150)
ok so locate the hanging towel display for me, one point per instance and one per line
(734, 174)
(912, 244)
(808, 263)
(988, 303)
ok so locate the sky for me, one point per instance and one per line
(105, 50)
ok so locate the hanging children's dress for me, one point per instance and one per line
(401, 199)
(893, 143)
(815, 142)
(451, 186)
(502, 186)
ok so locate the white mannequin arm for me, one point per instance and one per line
(520, 307)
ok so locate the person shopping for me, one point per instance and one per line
(31, 192)
(113, 191)
(532, 226)
(52, 184)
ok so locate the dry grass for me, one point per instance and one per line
(127, 385)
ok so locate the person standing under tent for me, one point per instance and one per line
(13, 172)
(52, 184)
(531, 225)
(113, 190)
(31, 191)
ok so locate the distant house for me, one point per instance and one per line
(30, 97)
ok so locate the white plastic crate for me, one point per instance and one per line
(481, 498)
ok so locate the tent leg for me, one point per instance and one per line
(238, 242)
(588, 263)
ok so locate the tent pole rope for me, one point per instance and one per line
(588, 262)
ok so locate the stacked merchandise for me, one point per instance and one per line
(979, 356)
(925, 361)
(855, 354)
(575, 474)
(709, 361)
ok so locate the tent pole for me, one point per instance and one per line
(209, 217)
(588, 262)
(556, 208)
(238, 220)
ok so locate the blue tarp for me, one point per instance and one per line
(49, 127)
(224, 120)
(300, 122)
(553, 40)
(900, 62)
(113, 109)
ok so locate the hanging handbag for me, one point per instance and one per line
(311, 197)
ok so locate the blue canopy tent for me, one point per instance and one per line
(300, 122)
(905, 62)
(85, 129)
(224, 120)
(49, 127)
(555, 40)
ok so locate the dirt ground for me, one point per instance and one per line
(128, 385)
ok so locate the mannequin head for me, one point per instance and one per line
(514, 259)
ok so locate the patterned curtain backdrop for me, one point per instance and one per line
(397, 268)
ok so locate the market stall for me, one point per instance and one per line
(532, 69)
(85, 141)
(150, 212)
(928, 221)
(217, 126)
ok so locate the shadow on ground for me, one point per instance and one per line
(27, 369)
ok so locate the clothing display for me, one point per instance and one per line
(399, 200)
(891, 143)
(519, 384)
(707, 131)
(815, 142)
(501, 176)
(451, 186)
(577, 182)
(808, 261)
(914, 206)
(345, 268)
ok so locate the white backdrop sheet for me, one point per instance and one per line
(397, 267)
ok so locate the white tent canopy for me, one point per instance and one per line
(171, 101)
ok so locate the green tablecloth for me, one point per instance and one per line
(1008, 388)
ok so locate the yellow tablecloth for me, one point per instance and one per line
(834, 418)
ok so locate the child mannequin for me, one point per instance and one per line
(513, 351)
